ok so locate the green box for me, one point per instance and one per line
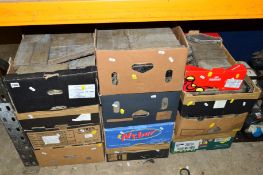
(202, 144)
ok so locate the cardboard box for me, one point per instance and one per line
(139, 109)
(217, 107)
(214, 102)
(138, 152)
(207, 136)
(70, 88)
(152, 154)
(138, 148)
(93, 110)
(213, 67)
(140, 60)
(202, 144)
(199, 79)
(60, 121)
(56, 137)
(70, 155)
(188, 127)
(140, 134)
(207, 104)
(36, 82)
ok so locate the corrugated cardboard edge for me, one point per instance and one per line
(49, 114)
(187, 97)
(209, 136)
(138, 148)
(178, 31)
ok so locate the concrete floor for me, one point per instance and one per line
(240, 159)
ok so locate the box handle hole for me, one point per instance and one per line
(114, 78)
(142, 68)
(168, 76)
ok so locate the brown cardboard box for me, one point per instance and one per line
(70, 155)
(138, 148)
(205, 137)
(64, 136)
(189, 98)
(189, 127)
(140, 60)
(47, 114)
(138, 152)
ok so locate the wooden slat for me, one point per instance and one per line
(41, 50)
(65, 47)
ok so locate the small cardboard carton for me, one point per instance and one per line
(58, 119)
(56, 137)
(208, 70)
(70, 155)
(190, 127)
(139, 109)
(230, 102)
(140, 134)
(201, 144)
(140, 60)
(92, 110)
(138, 152)
(53, 71)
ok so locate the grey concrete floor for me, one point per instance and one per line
(240, 159)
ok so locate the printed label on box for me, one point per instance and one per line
(87, 136)
(140, 134)
(14, 85)
(220, 104)
(187, 146)
(82, 117)
(233, 83)
(81, 91)
(222, 140)
(51, 139)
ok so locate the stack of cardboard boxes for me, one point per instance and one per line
(141, 74)
(53, 86)
(56, 97)
(215, 101)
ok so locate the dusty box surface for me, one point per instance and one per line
(189, 127)
(140, 60)
(140, 134)
(56, 137)
(70, 155)
(49, 73)
(139, 109)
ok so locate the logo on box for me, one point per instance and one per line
(139, 134)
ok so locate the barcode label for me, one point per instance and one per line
(233, 83)
(14, 85)
(186, 146)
